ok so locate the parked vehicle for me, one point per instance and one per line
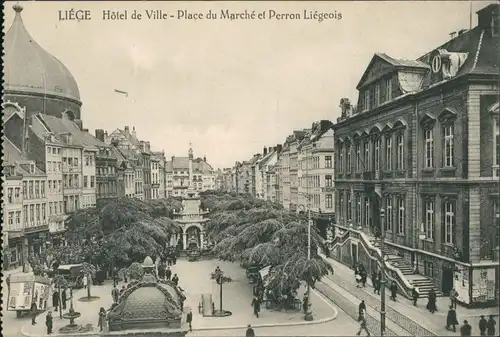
(28, 293)
(73, 273)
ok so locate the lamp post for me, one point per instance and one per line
(382, 281)
(218, 273)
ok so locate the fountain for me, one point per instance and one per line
(72, 327)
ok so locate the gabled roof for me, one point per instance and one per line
(391, 62)
(266, 158)
(11, 153)
(182, 163)
(60, 126)
(120, 158)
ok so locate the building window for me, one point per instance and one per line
(389, 217)
(349, 206)
(400, 151)
(367, 101)
(366, 157)
(377, 95)
(358, 158)
(401, 215)
(341, 204)
(92, 181)
(11, 220)
(10, 195)
(328, 181)
(448, 146)
(31, 194)
(449, 222)
(328, 161)
(429, 148)
(348, 158)
(328, 201)
(367, 212)
(496, 147)
(377, 155)
(358, 210)
(85, 181)
(388, 89)
(388, 153)
(341, 159)
(429, 219)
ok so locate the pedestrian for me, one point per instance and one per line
(174, 260)
(490, 328)
(168, 273)
(363, 277)
(361, 310)
(453, 298)
(374, 282)
(466, 329)
(357, 276)
(451, 319)
(33, 313)
(161, 271)
(249, 332)
(415, 295)
(48, 322)
(305, 303)
(102, 319)
(115, 294)
(394, 290)
(256, 306)
(362, 326)
(63, 298)
(431, 301)
(175, 279)
(189, 320)
(483, 323)
(55, 300)
(122, 290)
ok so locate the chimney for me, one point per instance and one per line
(148, 145)
(487, 18)
(265, 151)
(173, 157)
(205, 159)
(99, 134)
(133, 132)
(280, 147)
(115, 142)
(270, 149)
(127, 130)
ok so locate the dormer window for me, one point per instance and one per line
(377, 95)
(366, 104)
(388, 90)
(32, 168)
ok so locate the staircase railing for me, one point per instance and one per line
(392, 273)
(339, 240)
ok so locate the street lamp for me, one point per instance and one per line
(382, 281)
(219, 278)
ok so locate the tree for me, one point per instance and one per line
(264, 234)
(135, 271)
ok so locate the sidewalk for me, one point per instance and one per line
(433, 322)
(194, 279)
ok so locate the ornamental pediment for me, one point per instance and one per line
(377, 68)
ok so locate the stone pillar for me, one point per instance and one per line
(201, 240)
(184, 240)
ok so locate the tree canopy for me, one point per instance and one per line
(122, 231)
(257, 232)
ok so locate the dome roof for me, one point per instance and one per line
(30, 69)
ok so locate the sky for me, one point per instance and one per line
(230, 87)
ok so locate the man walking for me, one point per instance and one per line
(361, 310)
(189, 320)
(175, 279)
(168, 273)
(490, 328)
(249, 332)
(466, 330)
(453, 298)
(256, 306)
(483, 323)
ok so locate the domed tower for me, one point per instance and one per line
(34, 78)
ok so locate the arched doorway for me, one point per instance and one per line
(193, 238)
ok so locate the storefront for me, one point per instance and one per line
(36, 239)
(15, 250)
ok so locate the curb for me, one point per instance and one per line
(234, 327)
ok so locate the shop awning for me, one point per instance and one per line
(264, 275)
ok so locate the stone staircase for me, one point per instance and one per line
(423, 283)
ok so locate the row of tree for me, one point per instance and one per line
(118, 233)
(257, 232)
